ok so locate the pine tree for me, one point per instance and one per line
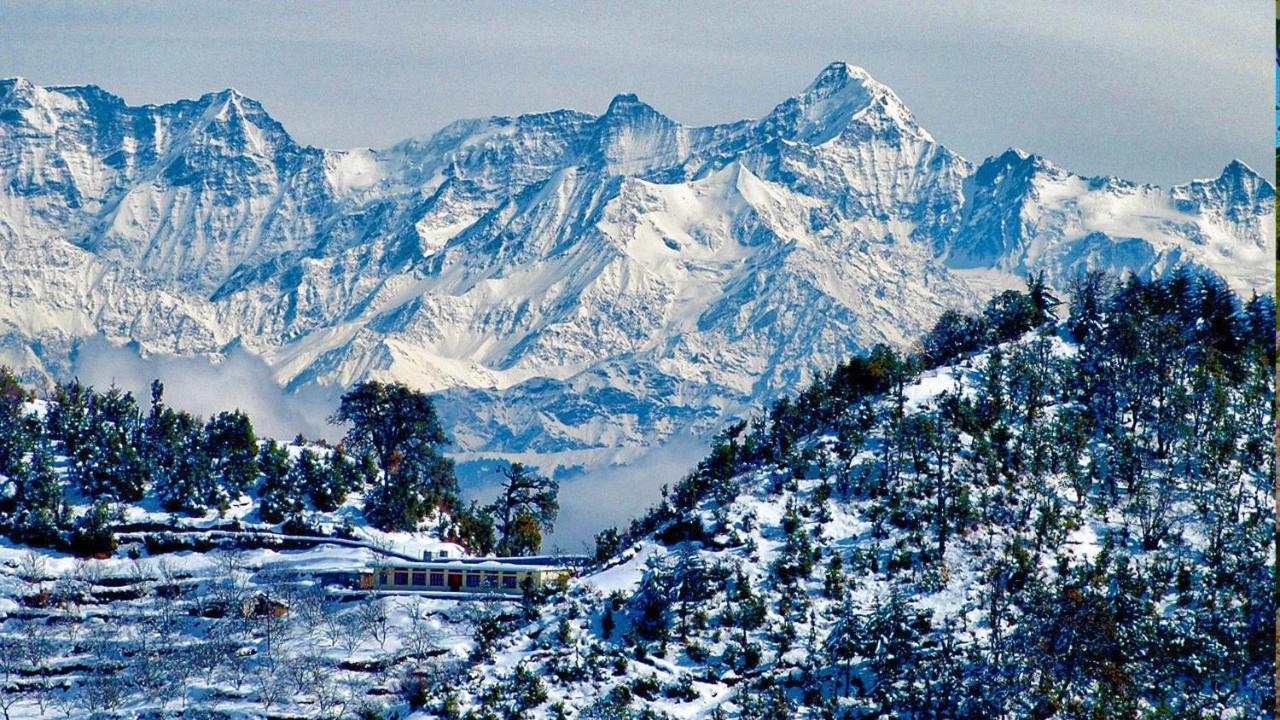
(17, 429)
(93, 534)
(182, 470)
(232, 449)
(279, 499)
(400, 428)
(39, 512)
(1087, 293)
(337, 477)
(525, 509)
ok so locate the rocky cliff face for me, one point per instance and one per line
(566, 281)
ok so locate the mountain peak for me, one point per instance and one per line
(16, 82)
(1239, 169)
(836, 77)
(629, 105)
(1243, 185)
(842, 95)
(16, 89)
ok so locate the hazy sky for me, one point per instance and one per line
(1152, 91)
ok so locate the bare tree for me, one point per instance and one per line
(37, 646)
(373, 617)
(233, 661)
(142, 577)
(37, 649)
(102, 690)
(189, 661)
(148, 670)
(69, 591)
(422, 636)
(32, 568)
(314, 676)
(230, 561)
(311, 608)
(351, 631)
(66, 701)
(90, 572)
(269, 684)
(12, 691)
(333, 625)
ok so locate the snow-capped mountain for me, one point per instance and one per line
(566, 281)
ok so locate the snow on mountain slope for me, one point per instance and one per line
(1023, 212)
(566, 281)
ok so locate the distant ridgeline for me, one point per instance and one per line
(81, 463)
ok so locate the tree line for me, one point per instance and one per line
(105, 450)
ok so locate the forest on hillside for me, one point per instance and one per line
(1102, 488)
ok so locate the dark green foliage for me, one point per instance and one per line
(331, 481)
(473, 528)
(525, 509)
(184, 477)
(18, 429)
(232, 449)
(523, 692)
(38, 512)
(392, 421)
(399, 427)
(1160, 420)
(417, 488)
(92, 535)
(98, 433)
(608, 543)
(954, 334)
(279, 498)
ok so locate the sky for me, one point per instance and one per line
(1150, 91)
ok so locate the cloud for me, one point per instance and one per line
(204, 387)
(611, 496)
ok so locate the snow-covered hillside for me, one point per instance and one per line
(1030, 519)
(566, 281)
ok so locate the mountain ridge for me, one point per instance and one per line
(608, 255)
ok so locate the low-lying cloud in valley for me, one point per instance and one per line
(205, 386)
(611, 496)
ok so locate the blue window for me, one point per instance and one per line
(437, 579)
(509, 581)
(402, 578)
(382, 578)
(473, 580)
(419, 578)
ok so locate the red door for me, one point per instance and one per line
(455, 581)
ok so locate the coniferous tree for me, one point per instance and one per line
(1087, 292)
(399, 426)
(279, 499)
(39, 513)
(954, 334)
(183, 473)
(525, 509)
(338, 477)
(99, 435)
(93, 534)
(162, 442)
(17, 428)
(232, 449)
